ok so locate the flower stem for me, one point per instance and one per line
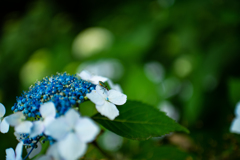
(32, 148)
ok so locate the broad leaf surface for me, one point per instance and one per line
(139, 121)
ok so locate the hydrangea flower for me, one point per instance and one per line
(17, 155)
(46, 113)
(235, 126)
(63, 90)
(105, 101)
(72, 133)
(4, 126)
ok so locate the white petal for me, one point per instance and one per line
(109, 110)
(4, 126)
(10, 154)
(18, 151)
(116, 87)
(235, 127)
(48, 120)
(237, 109)
(58, 128)
(24, 127)
(86, 130)
(45, 157)
(53, 151)
(85, 75)
(35, 151)
(2, 110)
(48, 110)
(116, 97)
(37, 128)
(96, 98)
(15, 119)
(96, 79)
(72, 117)
(71, 147)
(102, 91)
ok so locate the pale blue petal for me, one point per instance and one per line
(37, 128)
(86, 130)
(108, 109)
(53, 151)
(4, 126)
(2, 110)
(24, 127)
(235, 127)
(15, 119)
(237, 109)
(116, 97)
(58, 128)
(45, 157)
(18, 151)
(10, 154)
(48, 110)
(72, 117)
(71, 148)
(35, 151)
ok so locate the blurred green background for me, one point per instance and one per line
(177, 55)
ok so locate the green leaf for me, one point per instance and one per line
(139, 121)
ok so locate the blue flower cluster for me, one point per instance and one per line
(64, 90)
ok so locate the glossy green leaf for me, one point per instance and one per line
(139, 121)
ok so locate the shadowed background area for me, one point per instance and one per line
(180, 56)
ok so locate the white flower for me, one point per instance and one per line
(105, 101)
(17, 120)
(85, 75)
(48, 113)
(235, 126)
(72, 133)
(4, 126)
(17, 155)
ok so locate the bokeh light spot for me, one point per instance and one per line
(35, 68)
(182, 67)
(110, 141)
(92, 41)
(154, 71)
(111, 68)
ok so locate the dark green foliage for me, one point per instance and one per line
(139, 121)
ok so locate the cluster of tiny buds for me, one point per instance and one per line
(64, 90)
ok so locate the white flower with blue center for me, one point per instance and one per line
(235, 126)
(4, 126)
(17, 155)
(105, 101)
(72, 133)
